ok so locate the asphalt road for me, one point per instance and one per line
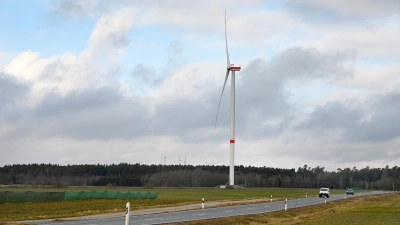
(210, 213)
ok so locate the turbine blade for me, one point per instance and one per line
(228, 62)
(226, 78)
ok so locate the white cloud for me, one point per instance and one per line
(369, 42)
(68, 72)
(358, 8)
(109, 35)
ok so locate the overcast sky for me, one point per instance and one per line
(87, 82)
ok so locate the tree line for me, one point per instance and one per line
(124, 174)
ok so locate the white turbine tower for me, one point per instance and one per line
(230, 68)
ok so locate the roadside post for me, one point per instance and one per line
(306, 195)
(285, 204)
(345, 196)
(325, 199)
(128, 206)
(202, 203)
(271, 198)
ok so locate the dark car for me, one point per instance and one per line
(349, 192)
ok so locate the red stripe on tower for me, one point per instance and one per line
(232, 141)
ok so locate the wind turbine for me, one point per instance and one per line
(230, 68)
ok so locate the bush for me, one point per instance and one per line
(110, 185)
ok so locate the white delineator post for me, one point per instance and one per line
(202, 203)
(325, 198)
(306, 195)
(232, 141)
(271, 198)
(128, 206)
(285, 204)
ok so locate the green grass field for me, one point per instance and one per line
(166, 197)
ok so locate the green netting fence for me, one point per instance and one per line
(30, 196)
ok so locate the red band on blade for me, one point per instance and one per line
(232, 141)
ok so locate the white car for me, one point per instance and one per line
(324, 192)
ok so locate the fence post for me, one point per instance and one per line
(128, 206)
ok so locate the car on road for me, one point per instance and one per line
(349, 192)
(324, 192)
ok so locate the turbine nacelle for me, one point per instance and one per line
(234, 68)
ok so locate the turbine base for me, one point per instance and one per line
(230, 186)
